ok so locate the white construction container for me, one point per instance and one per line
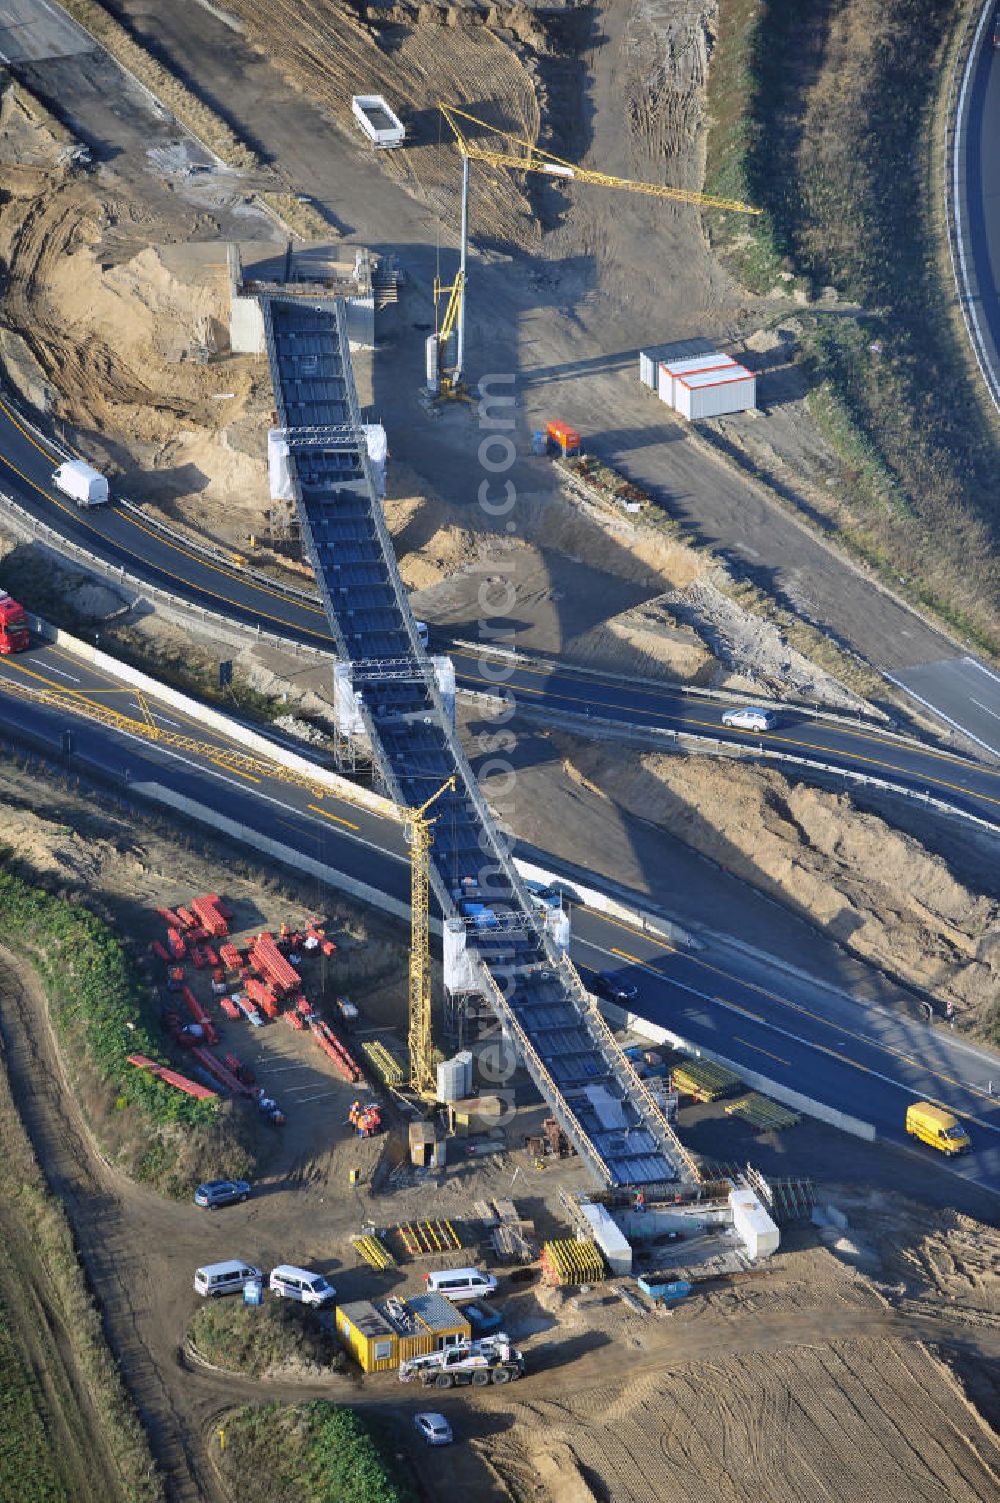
(379, 122)
(82, 482)
(711, 393)
(649, 361)
(752, 1224)
(670, 371)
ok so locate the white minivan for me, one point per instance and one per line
(299, 1283)
(458, 1284)
(750, 718)
(231, 1277)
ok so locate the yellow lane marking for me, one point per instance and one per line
(226, 766)
(788, 741)
(83, 696)
(859, 734)
(335, 817)
(74, 512)
(758, 1050)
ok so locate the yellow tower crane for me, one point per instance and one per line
(520, 155)
(418, 827)
(420, 832)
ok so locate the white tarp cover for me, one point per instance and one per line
(278, 472)
(378, 451)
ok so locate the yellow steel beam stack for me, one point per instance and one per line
(569, 1262)
(374, 1252)
(763, 1113)
(704, 1080)
(385, 1065)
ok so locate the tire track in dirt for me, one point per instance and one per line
(99, 1218)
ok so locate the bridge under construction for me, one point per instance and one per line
(594, 1092)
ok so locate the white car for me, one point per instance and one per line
(750, 718)
(434, 1428)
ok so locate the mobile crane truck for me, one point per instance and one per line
(490, 1360)
(13, 625)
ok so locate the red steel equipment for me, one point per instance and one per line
(13, 625)
(171, 1077)
(266, 956)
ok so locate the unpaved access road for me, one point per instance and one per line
(565, 319)
(139, 1252)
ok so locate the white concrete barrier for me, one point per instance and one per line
(286, 854)
(601, 902)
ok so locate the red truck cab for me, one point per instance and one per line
(13, 625)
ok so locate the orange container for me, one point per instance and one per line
(566, 437)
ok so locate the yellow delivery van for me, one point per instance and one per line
(933, 1125)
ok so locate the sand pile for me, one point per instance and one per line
(875, 890)
(129, 353)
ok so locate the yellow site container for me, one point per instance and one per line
(381, 1336)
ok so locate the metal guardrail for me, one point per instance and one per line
(42, 532)
(745, 751)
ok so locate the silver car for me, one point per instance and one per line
(750, 718)
(434, 1428)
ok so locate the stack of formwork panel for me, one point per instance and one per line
(209, 915)
(268, 959)
(570, 1262)
(176, 944)
(264, 997)
(187, 918)
(230, 957)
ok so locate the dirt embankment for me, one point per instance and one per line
(875, 890)
(125, 349)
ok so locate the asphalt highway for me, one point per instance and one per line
(865, 1061)
(538, 685)
(123, 539)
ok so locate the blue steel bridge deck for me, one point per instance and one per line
(567, 1049)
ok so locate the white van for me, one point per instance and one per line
(750, 718)
(299, 1283)
(225, 1278)
(458, 1284)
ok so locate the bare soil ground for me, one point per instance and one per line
(921, 907)
(828, 1330)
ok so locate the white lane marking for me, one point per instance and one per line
(63, 674)
(165, 719)
(979, 705)
(934, 709)
(744, 1012)
(983, 669)
(300, 814)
